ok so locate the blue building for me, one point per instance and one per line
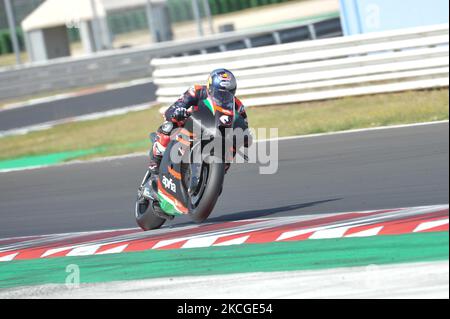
(363, 16)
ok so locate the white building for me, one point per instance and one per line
(45, 29)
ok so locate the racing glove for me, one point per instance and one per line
(180, 114)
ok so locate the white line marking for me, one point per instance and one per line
(378, 128)
(114, 250)
(429, 225)
(84, 250)
(200, 242)
(294, 233)
(329, 233)
(236, 241)
(367, 233)
(167, 242)
(55, 251)
(8, 257)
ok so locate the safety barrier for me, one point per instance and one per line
(406, 59)
(133, 63)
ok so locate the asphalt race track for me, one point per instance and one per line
(389, 168)
(76, 106)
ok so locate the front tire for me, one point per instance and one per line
(145, 217)
(213, 188)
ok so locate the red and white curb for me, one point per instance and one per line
(252, 231)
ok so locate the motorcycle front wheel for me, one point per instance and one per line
(145, 217)
(208, 191)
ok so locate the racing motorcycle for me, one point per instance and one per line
(191, 173)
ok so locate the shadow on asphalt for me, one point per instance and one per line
(258, 213)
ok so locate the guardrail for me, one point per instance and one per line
(128, 64)
(407, 59)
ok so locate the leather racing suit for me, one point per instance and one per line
(175, 116)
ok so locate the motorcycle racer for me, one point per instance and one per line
(221, 88)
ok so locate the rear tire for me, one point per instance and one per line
(145, 217)
(211, 193)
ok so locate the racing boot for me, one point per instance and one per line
(159, 146)
(153, 165)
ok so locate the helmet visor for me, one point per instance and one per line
(223, 98)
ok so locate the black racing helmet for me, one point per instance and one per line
(222, 87)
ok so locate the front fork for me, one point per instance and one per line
(146, 177)
(195, 167)
(147, 188)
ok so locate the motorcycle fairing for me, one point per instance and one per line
(172, 195)
(225, 110)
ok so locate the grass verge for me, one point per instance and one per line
(129, 133)
(10, 59)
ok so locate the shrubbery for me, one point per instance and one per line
(6, 46)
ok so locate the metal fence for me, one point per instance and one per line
(390, 61)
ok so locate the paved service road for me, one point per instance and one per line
(76, 106)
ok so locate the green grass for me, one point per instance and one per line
(10, 59)
(129, 133)
(354, 112)
(112, 132)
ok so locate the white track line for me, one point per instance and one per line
(236, 241)
(369, 129)
(55, 251)
(330, 233)
(367, 233)
(200, 242)
(429, 225)
(164, 243)
(8, 257)
(84, 250)
(114, 250)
